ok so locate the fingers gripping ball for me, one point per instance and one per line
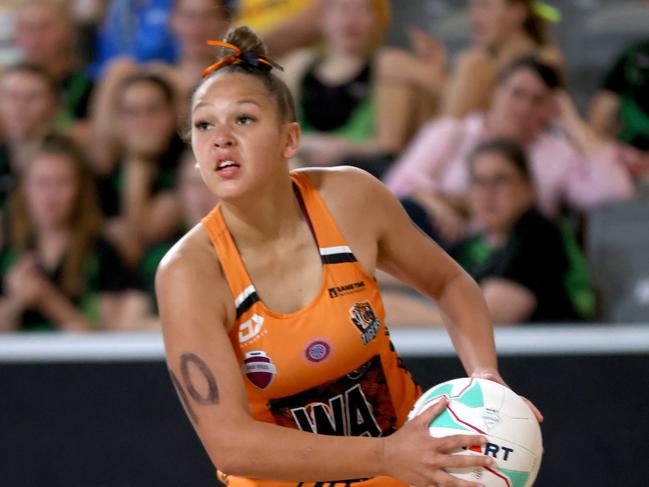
(484, 407)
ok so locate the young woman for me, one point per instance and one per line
(503, 30)
(138, 191)
(347, 109)
(571, 165)
(57, 271)
(28, 107)
(191, 22)
(528, 266)
(273, 325)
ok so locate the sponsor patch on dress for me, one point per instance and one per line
(367, 323)
(317, 351)
(259, 368)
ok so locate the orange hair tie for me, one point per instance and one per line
(223, 62)
(237, 56)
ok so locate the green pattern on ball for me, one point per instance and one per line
(445, 420)
(472, 397)
(518, 479)
(443, 389)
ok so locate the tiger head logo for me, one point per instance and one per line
(362, 315)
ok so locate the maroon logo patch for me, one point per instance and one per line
(259, 368)
(317, 351)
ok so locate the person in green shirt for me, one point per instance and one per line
(57, 272)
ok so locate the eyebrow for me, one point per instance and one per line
(238, 102)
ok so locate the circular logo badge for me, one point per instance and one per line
(317, 351)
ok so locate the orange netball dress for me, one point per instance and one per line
(328, 368)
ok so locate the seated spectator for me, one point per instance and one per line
(138, 190)
(284, 25)
(45, 36)
(195, 201)
(571, 166)
(347, 113)
(28, 108)
(621, 108)
(135, 28)
(503, 30)
(192, 23)
(57, 271)
(519, 257)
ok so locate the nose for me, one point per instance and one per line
(223, 139)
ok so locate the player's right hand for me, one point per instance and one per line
(413, 456)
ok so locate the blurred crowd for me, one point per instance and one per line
(485, 149)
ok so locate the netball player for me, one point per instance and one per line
(273, 324)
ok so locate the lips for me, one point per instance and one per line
(226, 167)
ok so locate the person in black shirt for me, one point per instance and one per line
(524, 263)
(56, 270)
(621, 107)
(137, 190)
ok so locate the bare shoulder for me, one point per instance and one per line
(473, 58)
(346, 184)
(295, 65)
(360, 203)
(189, 278)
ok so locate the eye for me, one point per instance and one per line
(245, 120)
(202, 125)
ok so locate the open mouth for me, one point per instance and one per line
(225, 164)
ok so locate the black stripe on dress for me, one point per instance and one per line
(338, 258)
(247, 303)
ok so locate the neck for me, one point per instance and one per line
(272, 216)
(52, 243)
(346, 57)
(493, 128)
(340, 66)
(497, 236)
(519, 44)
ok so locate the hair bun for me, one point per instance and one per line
(246, 39)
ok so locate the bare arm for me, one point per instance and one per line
(299, 30)
(150, 218)
(416, 260)
(26, 288)
(603, 113)
(204, 369)
(10, 310)
(509, 303)
(106, 143)
(59, 309)
(470, 85)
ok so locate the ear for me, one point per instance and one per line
(292, 133)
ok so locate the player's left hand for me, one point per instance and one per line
(495, 376)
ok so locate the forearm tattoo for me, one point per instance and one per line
(202, 394)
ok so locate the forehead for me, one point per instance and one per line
(41, 12)
(232, 88)
(51, 163)
(492, 161)
(142, 88)
(524, 76)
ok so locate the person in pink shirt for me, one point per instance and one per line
(571, 166)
